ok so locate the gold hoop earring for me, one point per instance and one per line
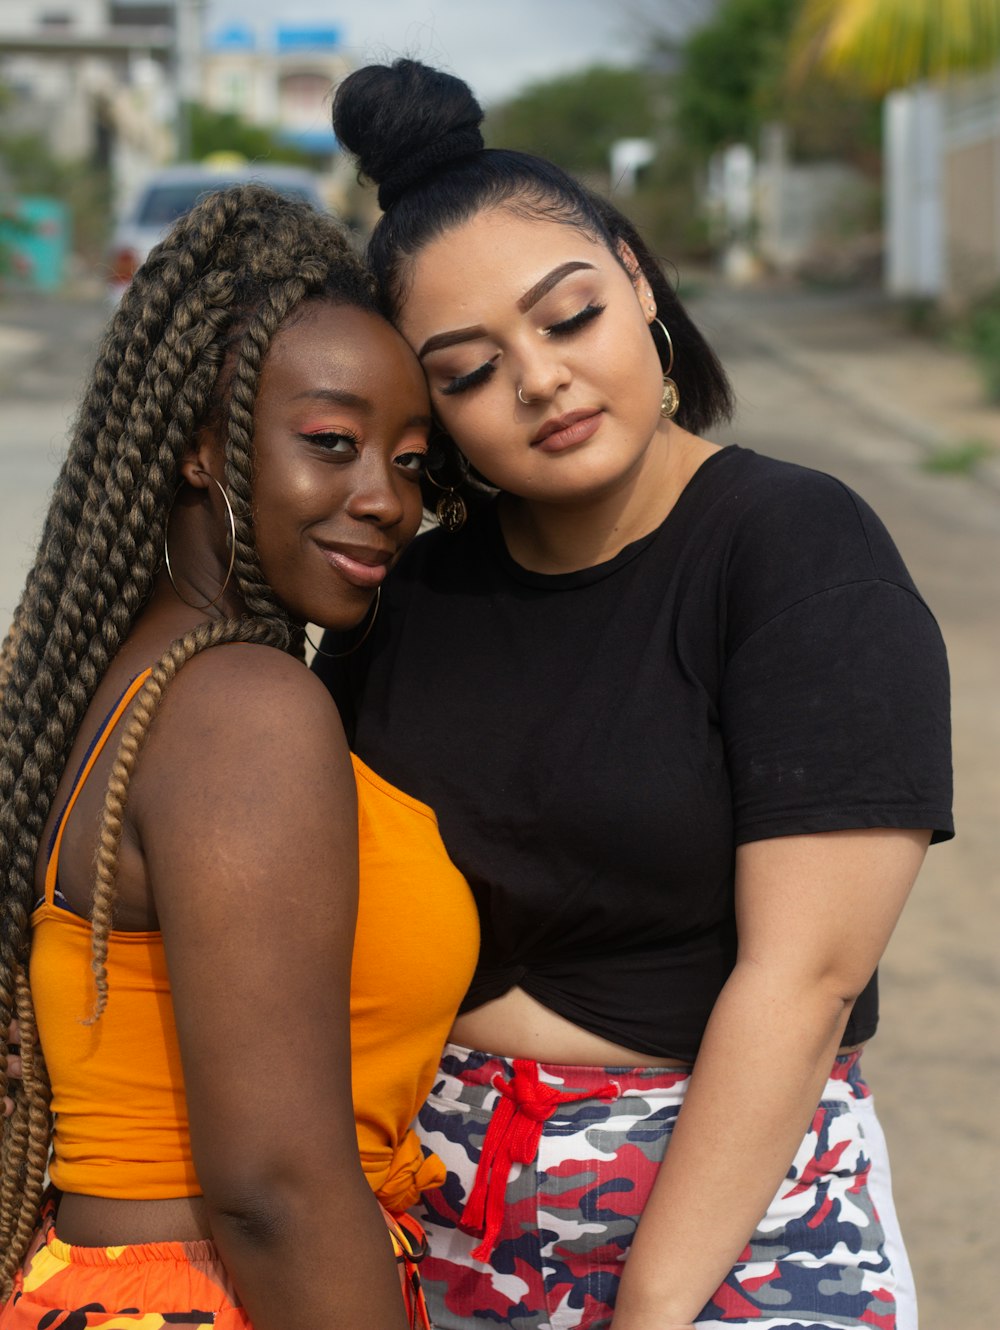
(232, 548)
(671, 399)
(450, 509)
(339, 655)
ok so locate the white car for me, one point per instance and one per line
(173, 191)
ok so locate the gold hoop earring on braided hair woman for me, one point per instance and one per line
(339, 655)
(230, 540)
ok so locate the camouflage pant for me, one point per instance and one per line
(817, 1260)
(156, 1285)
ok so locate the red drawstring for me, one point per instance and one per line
(512, 1138)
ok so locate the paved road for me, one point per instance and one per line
(935, 1065)
(47, 347)
(831, 386)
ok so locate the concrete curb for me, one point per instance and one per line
(838, 383)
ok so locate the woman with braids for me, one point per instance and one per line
(247, 459)
(684, 720)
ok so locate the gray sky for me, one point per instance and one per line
(495, 45)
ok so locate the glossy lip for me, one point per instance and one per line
(566, 431)
(361, 565)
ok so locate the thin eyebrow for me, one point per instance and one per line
(530, 298)
(344, 398)
(339, 395)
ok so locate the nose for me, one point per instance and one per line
(541, 372)
(377, 492)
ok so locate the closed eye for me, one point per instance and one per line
(574, 324)
(463, 382)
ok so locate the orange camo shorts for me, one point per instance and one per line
(155, 1286)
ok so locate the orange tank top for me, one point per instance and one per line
(117, 1089)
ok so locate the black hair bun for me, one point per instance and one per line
(403, 121)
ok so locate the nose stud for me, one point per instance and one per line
(525, 401)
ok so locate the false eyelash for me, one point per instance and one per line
(322, 437)
(571, 325)
(469, 380)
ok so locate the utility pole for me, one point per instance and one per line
(188, 32)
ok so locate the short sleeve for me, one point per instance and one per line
(835, 716)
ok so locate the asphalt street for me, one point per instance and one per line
(827, 381)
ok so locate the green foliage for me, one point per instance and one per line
(223, 131)
(981, 335)
(667, 209)
(573, 120)
(880, 45)
(732, 71)
(734, 77)
(28, 166)
(957, 459)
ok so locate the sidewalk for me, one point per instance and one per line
(853, 346)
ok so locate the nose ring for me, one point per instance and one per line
(526, 401)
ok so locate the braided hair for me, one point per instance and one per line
(184, 348)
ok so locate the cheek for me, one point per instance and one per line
(482, 424)
(413, 511)
(287, 497)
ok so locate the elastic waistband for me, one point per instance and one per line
(469, 1075)
(141, 1253)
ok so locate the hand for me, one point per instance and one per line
(13, 1064)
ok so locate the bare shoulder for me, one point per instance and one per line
(237, 711)
(243, 684)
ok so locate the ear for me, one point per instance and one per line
(204, 462)
(640, 282)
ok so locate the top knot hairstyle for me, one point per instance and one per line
(185, 348)
(414, 132)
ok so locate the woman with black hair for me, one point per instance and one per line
(683, 717)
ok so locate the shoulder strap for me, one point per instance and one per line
(94, 752)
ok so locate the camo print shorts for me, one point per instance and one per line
(819, 1258)
(157, 1285)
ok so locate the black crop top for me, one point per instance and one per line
(596, 744)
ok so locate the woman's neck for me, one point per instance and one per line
(566, 537)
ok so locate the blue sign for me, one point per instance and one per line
(233, 37)
(301, 38)
(320, 142)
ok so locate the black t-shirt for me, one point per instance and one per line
(597, 743)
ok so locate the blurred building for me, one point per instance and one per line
(106, 81)
(279, 78)
(943, 189)
(92, 77)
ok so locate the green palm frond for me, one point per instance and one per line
(878, 45)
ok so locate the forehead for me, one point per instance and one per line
(340, 346)
(497, 255)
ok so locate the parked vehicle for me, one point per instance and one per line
(171, 192)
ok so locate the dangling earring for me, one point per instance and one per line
(232, 548)
(339, 655)
(450, 509)
(671, 400)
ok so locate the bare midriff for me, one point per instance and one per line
(516, 1026)
(97, 1221)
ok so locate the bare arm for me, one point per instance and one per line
(248, 819)
(814, 914)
